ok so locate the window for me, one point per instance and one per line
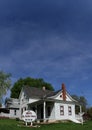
(61, 110)
(14, 112)
(69, 110)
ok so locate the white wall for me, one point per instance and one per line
(66, 114)
(4, 115)
(12, 113)
(52, 116)
(60, 98)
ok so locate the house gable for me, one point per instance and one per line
(62, 95)
(25, 98)
(59, 96)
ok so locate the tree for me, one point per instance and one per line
(75, 97)
(5, 83)
(39, 83)
(77, 108)
(82, 101)
(89, 112)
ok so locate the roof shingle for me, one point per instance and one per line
(33, 92)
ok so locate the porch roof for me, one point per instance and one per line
(53, 101)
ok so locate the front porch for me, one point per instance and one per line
(79, 114)
(44, 110)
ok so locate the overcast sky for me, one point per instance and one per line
(49, 39)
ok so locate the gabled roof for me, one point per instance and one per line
(33, 92)
(53, 93)
(12, 103)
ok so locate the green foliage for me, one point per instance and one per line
(5, 83)
(75, 97)
(39, 83)
(82, 101)
(89, 112)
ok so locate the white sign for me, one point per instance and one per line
(29, 116)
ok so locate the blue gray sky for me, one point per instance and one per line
(49, 39)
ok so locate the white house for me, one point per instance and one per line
(48, 105)
(12, 105)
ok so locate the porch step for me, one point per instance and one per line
(75, 121)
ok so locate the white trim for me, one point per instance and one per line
(59, 93)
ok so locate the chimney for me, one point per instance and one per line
(63, 92)
(43, 88)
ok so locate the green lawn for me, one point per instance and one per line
(7, 124)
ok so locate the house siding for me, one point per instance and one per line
(66, 114)
(14, 114)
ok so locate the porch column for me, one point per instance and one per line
(80, 109)
(20, 108)
(36, 109)
(44, 110)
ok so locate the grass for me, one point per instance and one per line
(9, 124)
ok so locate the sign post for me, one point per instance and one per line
(29, 116)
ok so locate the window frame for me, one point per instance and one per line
(62, 110)
(69, 110)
